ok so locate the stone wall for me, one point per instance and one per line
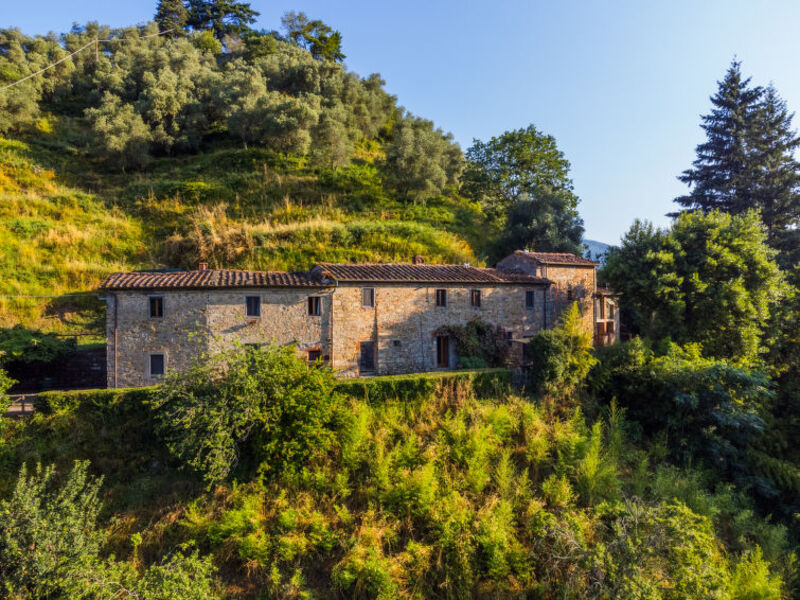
(196, 321)
(577, 282)
(404, 319)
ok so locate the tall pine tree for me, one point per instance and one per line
(773, 142)
(747, 160)
(724, 175)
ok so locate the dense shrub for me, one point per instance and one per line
(21, 344)
(47, 532)
(708, 410)
(561, 357)
(266, 404)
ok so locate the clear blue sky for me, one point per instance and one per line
(621, 85)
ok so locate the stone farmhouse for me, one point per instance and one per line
(360, 319)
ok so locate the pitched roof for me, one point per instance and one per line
(557, 258)
(415, 273)
(321, 276)
(206, 279)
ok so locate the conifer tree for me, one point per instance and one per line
(724, 174)
(747, 159)
(773, 143)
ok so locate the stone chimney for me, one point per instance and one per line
(203, 266)
(418, 259)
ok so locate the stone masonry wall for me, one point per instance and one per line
(579, 278)
(403, 321)
(189, 315)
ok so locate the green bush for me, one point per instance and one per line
(21, 344)
(267, 405)
(418, 386)
(47, 532)
(561, 358)
(91, 400)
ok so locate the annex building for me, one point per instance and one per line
(360, 319)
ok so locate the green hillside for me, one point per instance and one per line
(65, 223)
(168, 152)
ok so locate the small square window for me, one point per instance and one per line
(156, 307)
(530, 299)
(368, 297)
(314, 356)
(441, 297)
(253, 306)
(156, 365)
(396, 343)
(475, 298)
(313, 306)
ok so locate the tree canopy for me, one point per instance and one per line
(522, 181)
(710, 278)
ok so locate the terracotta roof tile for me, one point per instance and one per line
(556, 258)
(322, 275)
(210, 278)
(411, 273)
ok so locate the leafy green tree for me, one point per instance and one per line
(120, 132)
(545, 222)
(265, 405)
(421, 160)
(171, 15)
(513, 167)
(747, 161)
(313, 35)
(259, 44)
(21, 56)
(710, 279)
(5, 400)
(47, 533)
(222, 17)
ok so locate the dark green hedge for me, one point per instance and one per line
(485, 383)
(95, 400)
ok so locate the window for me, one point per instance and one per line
(156, 365)
(156, 307)
(366, 361)
(569, 293)
(530, 298)
(314, 356)
(441, 297)
(313, 306)
(396, 343)
(253, 304)
(442, 351)
(368, 297)
(475, 298)
(610, 310)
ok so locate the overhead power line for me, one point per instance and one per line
(94, 42)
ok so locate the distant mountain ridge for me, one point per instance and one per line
(596, 250)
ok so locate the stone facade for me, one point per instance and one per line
(571, 282)
(391, 329)
(403, 321)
